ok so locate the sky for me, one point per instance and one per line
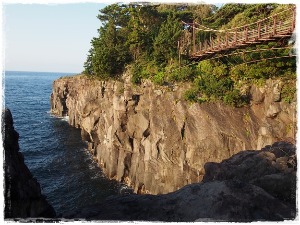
(48, 38)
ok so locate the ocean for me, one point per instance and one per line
(53, 150)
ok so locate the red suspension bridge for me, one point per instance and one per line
(278, 26)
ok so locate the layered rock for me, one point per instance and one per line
(249, 186)
(156, 142)
(22, 195)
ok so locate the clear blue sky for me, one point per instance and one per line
(49, 38)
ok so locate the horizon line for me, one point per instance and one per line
(39, 71)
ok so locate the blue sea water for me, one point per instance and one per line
(52, 149)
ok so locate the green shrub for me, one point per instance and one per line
(213, 87)
(159, 78)
(234, 98)
(210, 67)
(190, 95)
(181, 74)
(143, 69)
(136, 73)
(149, 69)
(288, 92)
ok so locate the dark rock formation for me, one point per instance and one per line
(272, 169)
(249, 186)
(154, 140)
(23, 198)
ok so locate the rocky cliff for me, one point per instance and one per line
(156, 142)
(22, 195)
(249, 186)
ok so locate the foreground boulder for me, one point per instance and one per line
(23, 198)
(241, 188)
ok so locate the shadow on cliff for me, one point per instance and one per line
(249, 186)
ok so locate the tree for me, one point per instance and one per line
(109, 55)
(116, 14)
(165, 44)
(88, 64)
(202, 11)
(142, 28)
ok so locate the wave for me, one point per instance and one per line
(63, 118)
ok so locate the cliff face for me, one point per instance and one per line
(156, 142)
(23, 198)
(249, 186)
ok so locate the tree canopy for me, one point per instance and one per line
(136, 32)
(146, 38)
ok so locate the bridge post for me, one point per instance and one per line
(274, 25)
(235, 37)
(246, 33)
(226, 39)
(258, 30)
(194, 39)
(294, 19)
(280, 24)
(179, 55)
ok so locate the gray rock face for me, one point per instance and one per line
(23, 198)
(246, 187)
(156, 142)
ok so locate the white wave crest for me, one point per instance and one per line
(65, 118)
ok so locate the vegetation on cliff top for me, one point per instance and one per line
(144, 38)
